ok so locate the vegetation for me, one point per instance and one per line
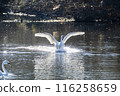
(81, 10)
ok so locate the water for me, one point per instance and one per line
(95, 55)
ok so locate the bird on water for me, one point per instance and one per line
(59, 45)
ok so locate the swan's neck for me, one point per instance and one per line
(61, 38)
(60, 44)
(4, 70)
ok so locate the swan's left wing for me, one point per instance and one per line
(72, 34)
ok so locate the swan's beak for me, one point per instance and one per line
(8, 62)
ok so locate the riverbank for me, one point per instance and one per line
(23, 17)
(80, 10)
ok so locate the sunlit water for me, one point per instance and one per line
(96, 55)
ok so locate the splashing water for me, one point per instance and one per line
(49, 49)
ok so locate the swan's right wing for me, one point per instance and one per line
(50, 38)
(72, 34)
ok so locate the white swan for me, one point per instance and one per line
(59, 45)
(4, 73)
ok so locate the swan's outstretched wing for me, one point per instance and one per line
(72, 34)
(51, 39)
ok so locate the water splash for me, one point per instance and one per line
(38, 48)
(8, 77)
(49, 49)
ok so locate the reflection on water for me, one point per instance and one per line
(60, 66)
(93, 56)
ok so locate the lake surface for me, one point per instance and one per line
(93, 56)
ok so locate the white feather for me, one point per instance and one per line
(72, 34)
(59, 45)
(51, 39)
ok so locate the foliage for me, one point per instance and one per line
(81, 10)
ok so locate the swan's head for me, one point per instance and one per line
(6, 62)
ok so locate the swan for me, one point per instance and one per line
(59, 45)
(4, 73)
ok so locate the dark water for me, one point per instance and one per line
(95, 55)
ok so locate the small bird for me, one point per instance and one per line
(59, 45)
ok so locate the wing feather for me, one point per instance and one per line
(50, 38)
(72, 34)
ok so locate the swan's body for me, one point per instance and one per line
(5, 73)
(59, 45)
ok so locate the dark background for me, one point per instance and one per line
(81, 10)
